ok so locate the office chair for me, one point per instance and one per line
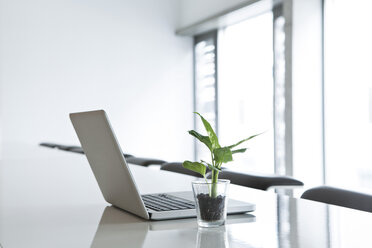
(259, 181)
(339, 197)
(75, 149)
(144, 161)
(50, 145)
(178, 168)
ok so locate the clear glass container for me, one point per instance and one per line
(211, 202)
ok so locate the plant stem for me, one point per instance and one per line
(214, 183)
(209, 188)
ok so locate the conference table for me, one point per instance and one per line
(50, 198)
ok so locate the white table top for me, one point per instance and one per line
(50, 198)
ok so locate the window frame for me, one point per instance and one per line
(213, 35)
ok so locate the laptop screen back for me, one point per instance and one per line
(107, 161)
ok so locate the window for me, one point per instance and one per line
(245, 91)
(205, 86)
(235, 90)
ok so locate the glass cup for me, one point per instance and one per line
(211, 202)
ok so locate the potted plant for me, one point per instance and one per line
(211, 194)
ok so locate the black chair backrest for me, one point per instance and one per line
(178, 168)
(144, 161)
(340, 197)
(258, 181)
(68, 148)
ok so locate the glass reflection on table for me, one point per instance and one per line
(212, 237)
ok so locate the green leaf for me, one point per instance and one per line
(222, 155)
(205, 163)
(211, 167)
(202, 138)
(211, 134)
(239, 150)
(244, 140)
(214, 168)
(195, 166)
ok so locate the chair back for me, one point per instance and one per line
(340, 197)
(178, 168)
(258, 181)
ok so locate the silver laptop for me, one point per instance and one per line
(115, 179)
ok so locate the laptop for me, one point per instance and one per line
(116, 182)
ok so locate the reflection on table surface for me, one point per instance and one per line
(124, 228)
(54, 201)
(290, 223)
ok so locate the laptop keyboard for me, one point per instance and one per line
(165, 202)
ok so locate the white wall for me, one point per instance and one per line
(59, 56)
